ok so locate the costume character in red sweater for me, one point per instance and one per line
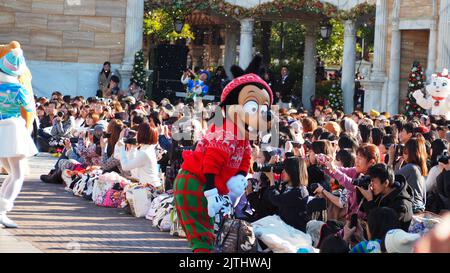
(221, 160)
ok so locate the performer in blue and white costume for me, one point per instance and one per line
(16, 143)
(196, 88)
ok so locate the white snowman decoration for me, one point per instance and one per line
(438, 99)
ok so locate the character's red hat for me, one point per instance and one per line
(245, 80)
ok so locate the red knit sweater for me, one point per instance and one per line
(219, 153)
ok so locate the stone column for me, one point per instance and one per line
(378, 70)
(133, 38)
(431, 63)
(309, 66)
(394, 69)
(231, 37)
(444, 36)
(246, 44)
(374, 95)
(348, 65)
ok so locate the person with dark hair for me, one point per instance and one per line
(366, 156)
(406, 133)
(439, 149)
(365, 132)
(104, 76)
(140, 159)
(315, 173)
(388, 190)
(415, 170)
(284, 88)
(377, 136)
(379, 222)
(317, 133)
(112, 88)
(345, 158)
(334, 244)
(347, 142)
(292, 198)
(268, 77)
(218, 82)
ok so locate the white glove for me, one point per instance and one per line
(418, 95)
(215, 201)
(237, 185)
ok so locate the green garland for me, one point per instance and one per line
(277, 6)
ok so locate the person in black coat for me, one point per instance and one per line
(284, 88)
(218, 82)
(291, 199)
(258, 200)
(388, 190)
(443, 187)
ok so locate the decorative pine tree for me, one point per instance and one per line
(138, 74)
(335, 96)
(416, 81)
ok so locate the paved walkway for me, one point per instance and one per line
(51, 219)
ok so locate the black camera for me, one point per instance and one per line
(266, 167)
(74, 140)
(60, 114)
(130, 137)
(399, 149)
(362, 182)
(314, 187)
(106, 135)
(354, 220)
(443, 158)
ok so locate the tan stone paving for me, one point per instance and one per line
(51, 219)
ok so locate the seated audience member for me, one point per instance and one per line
(388, 190)
(292, 198)
(140, 158)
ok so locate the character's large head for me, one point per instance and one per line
(247, 99)
(24, 73)
(13, 63)
(439, 87)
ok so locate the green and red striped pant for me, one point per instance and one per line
(192, 209)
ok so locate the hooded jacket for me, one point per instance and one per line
(399, 200)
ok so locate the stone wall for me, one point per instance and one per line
(78, 31)
(416, 9)
(414, 48)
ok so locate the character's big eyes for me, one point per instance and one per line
(251, 107)
(444, 84)
(264, 110)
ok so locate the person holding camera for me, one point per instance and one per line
(439, 153)
(137, 154)
(413, 164)
(388, 190)
(108, 143)
(316, 173)
(366, 156)
(291, 199)
(63, 123)
(379, 222)
(258, 187)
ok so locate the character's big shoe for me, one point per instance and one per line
(8, 223)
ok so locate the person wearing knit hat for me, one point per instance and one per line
(16, 144)
(215, 171)
(399, 241)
